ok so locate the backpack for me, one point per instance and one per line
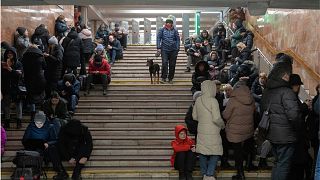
(192, 125)
(28, 165)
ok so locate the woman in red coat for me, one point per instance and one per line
(99, 72)
(183, 158)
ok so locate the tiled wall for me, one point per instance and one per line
(30, 17)
(293, 29)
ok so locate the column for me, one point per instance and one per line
(185, 27)
(197, 22)
(84, 15)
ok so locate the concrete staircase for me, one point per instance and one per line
(133, 125)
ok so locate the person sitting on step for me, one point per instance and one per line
(99, 71)
(41, 137)
(183, 158)
(195, 54)
(115, 49)
(75, 145)
(55, 108)
(69, 88)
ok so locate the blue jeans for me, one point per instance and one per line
(168, 57)
(283, 154)
(72, 102)
(114, 55)
(317, 170)
(208, 164)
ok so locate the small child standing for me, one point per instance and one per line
(183, 158)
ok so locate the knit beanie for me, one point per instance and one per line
(21, 30)
(99, 47)
(198, 40)
(53, 40)
(40, 117)
(169, 19)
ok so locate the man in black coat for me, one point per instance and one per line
(302, 163)
(72, 46)
(34, 66)
(75, 145)
(11, 71)
(285, 118)
(54, 65)
(196, 53)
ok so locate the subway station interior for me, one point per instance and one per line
(130, 118)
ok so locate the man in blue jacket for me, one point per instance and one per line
(69, 88)
(115, 49)
(168, 44)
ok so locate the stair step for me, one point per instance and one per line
(140, 97)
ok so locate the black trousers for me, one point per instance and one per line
(84, 61)
(98, 78)
(77, 169)
(225, 145)
(53, 155)
(184, 161)
(241, 151)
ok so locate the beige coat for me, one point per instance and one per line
(206, 112)
(239, 115)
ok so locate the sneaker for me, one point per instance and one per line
(188, 70)
(163, 81)
(104, 92)
(170, 81)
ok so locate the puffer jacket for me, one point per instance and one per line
(179, 145)
(72, 45)
(60, 27)
(168, 39)
(248, 39)
(34, 66)
(54, 64)
(239, 114)
(9, 84)
(257, 90)
(206, 112)
(72, 136)
(196, 85)
(285, 116)
(86, 37)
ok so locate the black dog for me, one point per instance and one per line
(154, 69)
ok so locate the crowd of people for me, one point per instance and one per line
(223, 119)
(43, 75)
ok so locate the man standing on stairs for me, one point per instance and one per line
(168, 44)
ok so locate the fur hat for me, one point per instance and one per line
(21, 30)
(53, 40)
(196, 95)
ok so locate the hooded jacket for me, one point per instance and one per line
(239, 114)
(206, 112)
(72, 137)
(72, 46)
(45, 134)
(34, 66)
(179, 145)
(285, 116)
(54, 64)
(74, 89)
(9, 84)
(103, 69)
(196, 85)
(86, 37)
(60, 27)
(42, 33)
